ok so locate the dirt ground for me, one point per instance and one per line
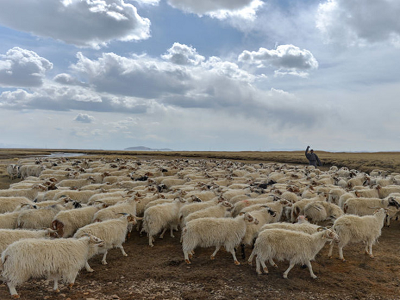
(161, 273)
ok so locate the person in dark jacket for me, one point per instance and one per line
(312, 157)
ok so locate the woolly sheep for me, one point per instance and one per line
(189, 208)
(30, 170)
(9, 220)
(67, 222)
(355, 229)
(12, 170)
(295, 246)
(161, 217)
(113, 232)
(221, 210)
(215, 232)
(28, 193)
(319, 211)
(128, 206)
(9, 204)
(55, 259)
(38, 218)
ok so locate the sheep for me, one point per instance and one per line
(298, 207)
(302, 225)
(30, 170)
(12, 170)
(334, 195)
(367, 206)
(218, 232)
(128, 206)
(239, 206)
(9, 236)
(387, 190)
(67, 222)
(319, 211)
(75, 183)
(221, 210)
(113, 232)
(38, 218)
(295, 246)
(81, 196)
(189, 208)
(55, 259)
(161, 217)
(9, 204)
(9, 220)
(28, 193)
(355, 229)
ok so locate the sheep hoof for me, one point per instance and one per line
(372, 256)
(70, 286)
(314, 277)
(104, 262)
(190, 256)
(187, 261)
(90, 270)
(56, 291)
(275, 266)
(212, 257)
(250, 263)
(330, 256)
(259, 273)
(266, 270)
(343, 260)
(125, 254)
(285, 276)
(237, 263)
(15, 296)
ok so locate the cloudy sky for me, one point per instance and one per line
(212, 75)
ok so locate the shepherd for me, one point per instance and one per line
(312, 157)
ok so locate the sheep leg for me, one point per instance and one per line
(88, 268)
(330, 250)
(103, 261)
(250, 260)
(215, 252)
(258, 266)
(234, 257)
(285, 274)
(264, 266)
(369, 245)
(122, 250)
(341, 253)
(272, 263)
(308, 264)
(55, 287)
(13, 291)
(186, 255)
(151, 240)
(171, 231)
(162, 234)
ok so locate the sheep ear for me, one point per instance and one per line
(241, 213)
(321, 228)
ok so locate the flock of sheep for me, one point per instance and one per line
(65, 211)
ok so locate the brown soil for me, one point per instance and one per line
(161, 273)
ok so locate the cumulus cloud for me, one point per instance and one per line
(183, 55)
(22, 68)
(288, 59)
(84, 118)
(350, 22)
(84, 23)
(67, 79)
(220, 9)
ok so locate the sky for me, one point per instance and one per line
(209, 75)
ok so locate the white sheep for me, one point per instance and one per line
(38, 218)
(215, 232)
(9, 204)
(9, 236)
(127, 206)
(221, 210)
(67, 222)
(30, 170)
(355, 229)
(295, 246)
(319, 211)
(160, 217)
(189, 208)
(9, 220)
(12, 170)
(113, 232)
(28, 193)
(55, 259)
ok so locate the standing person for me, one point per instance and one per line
(312, 157)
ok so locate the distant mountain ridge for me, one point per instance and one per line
(143, 148)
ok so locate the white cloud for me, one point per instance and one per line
(84, 23)
(183, 55)
(22, 68)
(84, 118)
(288, 59)
(351, 22)
(67, 79)
(220, 9)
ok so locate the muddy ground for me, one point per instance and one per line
(161, 273)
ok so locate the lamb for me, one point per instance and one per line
(38, 218)
(9, 204)
(113, 232)
(218, 232)
(319, 211)
(128, 206)
(12, 170)
(67, 222)
(55, 259)
(355, 229)
(221, 210)
(161, 217)
(297, 247)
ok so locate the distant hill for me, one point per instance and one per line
(142, 148)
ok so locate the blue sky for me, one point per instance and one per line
(220, 75)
